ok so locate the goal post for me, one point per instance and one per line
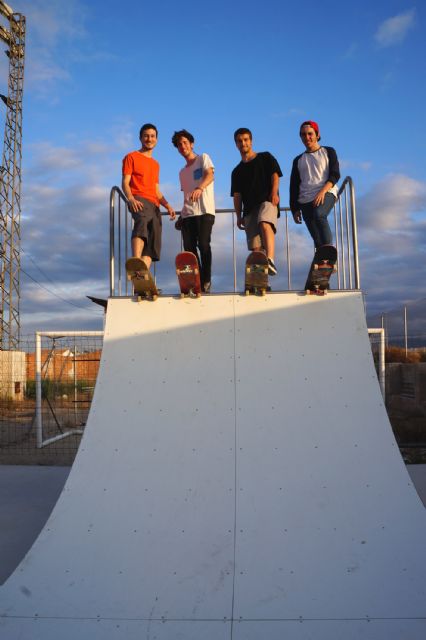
(41, 440)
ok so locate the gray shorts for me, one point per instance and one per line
(147, 224)
(264, 212)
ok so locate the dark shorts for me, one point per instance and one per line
(147, 224)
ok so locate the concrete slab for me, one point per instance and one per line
(27, 497)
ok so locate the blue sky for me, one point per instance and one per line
(95, 71)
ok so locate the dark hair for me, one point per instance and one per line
(183, 133)
(148, 125)
(241, 131)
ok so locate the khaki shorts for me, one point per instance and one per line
(265, 212)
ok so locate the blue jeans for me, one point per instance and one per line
(316, 220)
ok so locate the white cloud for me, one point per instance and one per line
(392, 239)
(390, 206)
(364, 165)
(394, 30)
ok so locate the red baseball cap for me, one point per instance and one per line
(312, 124)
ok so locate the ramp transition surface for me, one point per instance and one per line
(238, 478)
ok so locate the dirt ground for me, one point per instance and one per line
(18, 436)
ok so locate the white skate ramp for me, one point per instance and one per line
(238, 478)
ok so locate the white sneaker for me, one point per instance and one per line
(272, 270)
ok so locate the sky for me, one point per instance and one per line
(95, 71)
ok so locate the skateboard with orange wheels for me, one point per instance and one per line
(256, 273)
(188, 274)
(143, 282)
(322, 268)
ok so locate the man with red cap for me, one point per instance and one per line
(313, 184)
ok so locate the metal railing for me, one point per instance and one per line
(345, 233)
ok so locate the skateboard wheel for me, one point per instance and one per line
(247, 292)
(182, 295)
(334, 268)
(308, 292)
(198, 295)
(262, 292)
(315, 267)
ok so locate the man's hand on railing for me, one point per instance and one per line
(297, 217)
(170, 211)
(240, 222)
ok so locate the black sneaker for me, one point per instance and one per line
(272, 270)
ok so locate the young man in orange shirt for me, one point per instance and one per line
(141, 177)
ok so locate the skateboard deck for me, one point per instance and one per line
(322, 267)
(188, 274)
(143, 282)
(256, 273)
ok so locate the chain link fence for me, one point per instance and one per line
(45, 398)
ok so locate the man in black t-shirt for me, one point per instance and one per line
(255, 189)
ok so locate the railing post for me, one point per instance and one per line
(111, 244)
(354, 234)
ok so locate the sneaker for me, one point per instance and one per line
(206, 287)
(272, 270)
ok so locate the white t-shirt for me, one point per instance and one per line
(313, 170)
(190, 177)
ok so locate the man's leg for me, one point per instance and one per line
(189, 235)
(308, 217)
(205, 224)
(137, 249)
(267, 220)
(320, 219)
(140, 233)
(268, 239)
(251, 228)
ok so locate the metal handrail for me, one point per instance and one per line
(345, 229)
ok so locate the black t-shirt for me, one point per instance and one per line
(253, 179)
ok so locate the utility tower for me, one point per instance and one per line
(10, 180)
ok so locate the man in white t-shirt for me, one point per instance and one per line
(313, 184)
(198, 211)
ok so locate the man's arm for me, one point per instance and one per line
(333, 176)
(238, 201)
(134, 205)
(320, 197)
(275, 184)
(164, 203)
(208, 177)
(294, 192)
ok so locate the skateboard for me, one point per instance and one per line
(188, 273)
(322, 267)
(143, 282)
(256, 273)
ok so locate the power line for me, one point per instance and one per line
(55, 294)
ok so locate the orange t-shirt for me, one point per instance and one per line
(145, 175)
